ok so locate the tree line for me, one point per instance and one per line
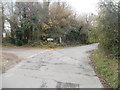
(32, 21)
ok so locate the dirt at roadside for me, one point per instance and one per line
(8, 61)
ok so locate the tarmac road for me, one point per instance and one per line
(52, 68)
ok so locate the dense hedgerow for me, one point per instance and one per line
(108, 27)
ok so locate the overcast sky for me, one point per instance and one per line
(80, 6)
(83, 6)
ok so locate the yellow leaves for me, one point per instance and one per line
(51, 24)
(56, 22)
(45, 26)
(50, 21)
(44, 36)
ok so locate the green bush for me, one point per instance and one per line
(108, 27)
(77, 36)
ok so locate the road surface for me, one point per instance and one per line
(55, 68)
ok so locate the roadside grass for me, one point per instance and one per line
(92, 40)
(42, 45)
(46, 45)
(7, 44)
(106, 68)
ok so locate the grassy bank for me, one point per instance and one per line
(46, 45)
(106, 68)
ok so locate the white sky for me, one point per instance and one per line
(83, 6)
(80, 6)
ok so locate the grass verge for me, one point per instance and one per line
(106, 68)
(45, 44)
(42, 45)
